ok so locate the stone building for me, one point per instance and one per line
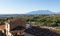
(15, 27)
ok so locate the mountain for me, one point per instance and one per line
(38, 12)
(41, 12)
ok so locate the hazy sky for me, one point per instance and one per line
(24, 6)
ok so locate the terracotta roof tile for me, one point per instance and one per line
(2, 27)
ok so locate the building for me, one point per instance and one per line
(15, 27)
(28, 24)
(2, 30)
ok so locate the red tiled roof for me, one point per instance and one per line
(2, 27)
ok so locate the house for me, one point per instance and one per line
(15, 27)
(2, 30)
(28, 24)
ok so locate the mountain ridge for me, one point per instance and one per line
(43, 12)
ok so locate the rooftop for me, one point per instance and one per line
(37, 31)
(2, 27)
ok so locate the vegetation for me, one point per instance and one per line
(44, 20)
(40, 20)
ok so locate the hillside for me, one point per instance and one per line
(42, 12)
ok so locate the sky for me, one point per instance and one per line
(25, 6)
